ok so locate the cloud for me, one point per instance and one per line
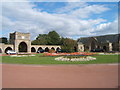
(70, 6)
(82, 9)
(107, 28)
(23, 17)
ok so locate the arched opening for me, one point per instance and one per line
(22, 47)
(0, 50)
(104, 48)
(58, 49)
(8, 48)
(40, 50)
(33, 49)
(46, 49)
(52, 48)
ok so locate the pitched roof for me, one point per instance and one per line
(102, 39)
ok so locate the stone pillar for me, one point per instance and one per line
(110, 47)
(29, 47)
(16, 46)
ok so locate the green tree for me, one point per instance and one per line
(42, 39)
(54, 38)
(35, 42)
(4, 40)
(68, 45)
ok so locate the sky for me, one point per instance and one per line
(69, 19)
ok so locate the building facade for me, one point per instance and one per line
(106, 43)
(20, 42)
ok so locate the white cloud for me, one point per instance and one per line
(107, 28)
(20, 16)
(70, 6)
(82, 9)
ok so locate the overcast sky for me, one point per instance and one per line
(69, 19)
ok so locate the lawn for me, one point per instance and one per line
(38, 59)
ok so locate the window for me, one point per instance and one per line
(81, 47)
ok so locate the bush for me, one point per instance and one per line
(51, 51)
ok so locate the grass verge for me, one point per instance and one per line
(38, 59)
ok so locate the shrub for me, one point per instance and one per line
(51, 51)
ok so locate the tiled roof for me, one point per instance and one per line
(102, 39)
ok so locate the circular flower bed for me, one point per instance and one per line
(83, 58)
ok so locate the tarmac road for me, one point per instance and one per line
(60, 76)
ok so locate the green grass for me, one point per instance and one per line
(38, 59)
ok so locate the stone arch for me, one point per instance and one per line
(46, 49)
(53, 48)
(33, 49)
(8, 48)
(0, 50)
(22, 47)
(40, 48)
(57, 49)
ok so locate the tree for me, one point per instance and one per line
(4, 40)
(68, 45)
(54, 38)
(35, 42)
(42, 39)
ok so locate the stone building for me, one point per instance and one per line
(105, 42)
(20, 42)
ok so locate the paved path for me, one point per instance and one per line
(60, 76)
